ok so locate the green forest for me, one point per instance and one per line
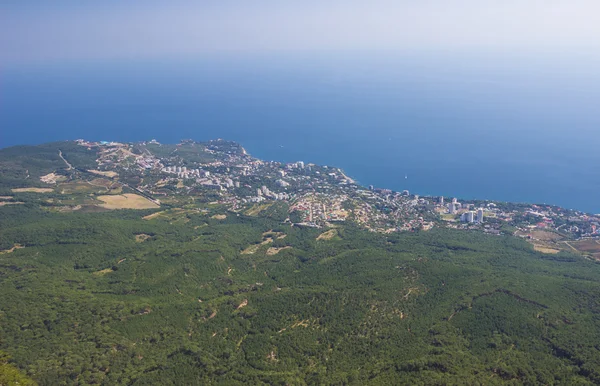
(185, 297)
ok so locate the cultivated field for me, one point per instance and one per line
(106, 174)
(2, 203)
(545, 235)
(82, 187)
(587, 247)
(543, 241)
(126, 201)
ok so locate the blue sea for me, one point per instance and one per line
(518, 127)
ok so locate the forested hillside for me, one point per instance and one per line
(188, 296)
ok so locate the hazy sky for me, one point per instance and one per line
(34, 31)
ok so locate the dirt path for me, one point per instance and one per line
(63, 158)
(14, 248)
(572, 247)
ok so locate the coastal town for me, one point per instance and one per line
(222, 173)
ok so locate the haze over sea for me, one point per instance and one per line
(522, 128)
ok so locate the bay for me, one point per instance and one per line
(523, 129)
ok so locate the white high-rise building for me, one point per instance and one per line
(451, 208)
(441, 200)
(454, 200)
(470, 216)
(480, 215)
(300, 164)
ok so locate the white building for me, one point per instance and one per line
(470, 216)
(451, 208)
(480, 215)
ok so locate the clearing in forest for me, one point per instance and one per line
(328, 235)
(273, 251)
(242, 304)
(256, 209)
(103, 272)
(126, 201)
(142, 237)
(219, 217)
(52, 178)
(254, 247)
(32, 190)
(544, 249)
(273, 234)
(154, 215)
